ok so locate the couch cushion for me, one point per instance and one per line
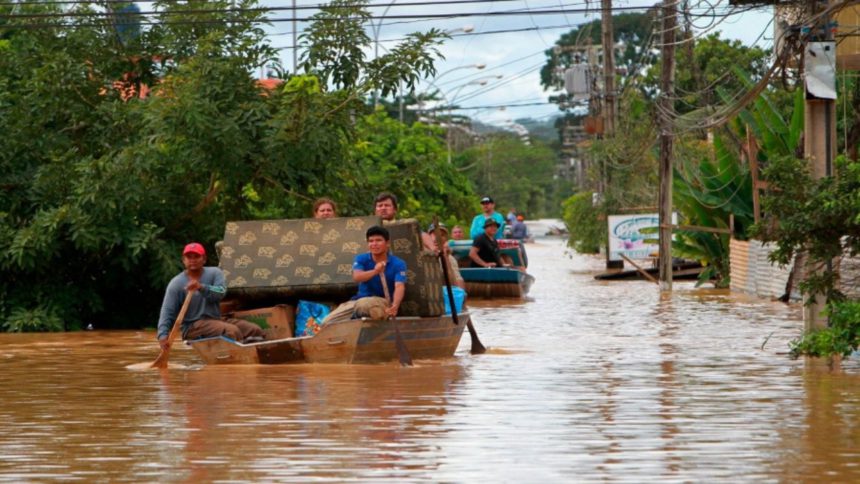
(293, 258)
(423, 270)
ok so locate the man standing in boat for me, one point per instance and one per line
(366, 270)
(485, 249)
(385, 207)
(203, 318)
(488, 207)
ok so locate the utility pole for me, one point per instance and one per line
(295, 44)
(819, 145)
(608, 106)
(608, 68)
(667, 111)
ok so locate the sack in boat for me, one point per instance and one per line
(370, 307)
(309, 317)
(459, 298)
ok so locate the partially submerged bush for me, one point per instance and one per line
(841, 337)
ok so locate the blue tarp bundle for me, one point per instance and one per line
(459, 298)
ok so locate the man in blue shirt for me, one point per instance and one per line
(203, 318)
(488, 207)
(370, 299)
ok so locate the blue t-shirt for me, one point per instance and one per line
(477, 227)
(395, 271)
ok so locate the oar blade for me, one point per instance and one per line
(402, 351)
(162, 360)
(477, 347)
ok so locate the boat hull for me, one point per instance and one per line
(496, 282)
(355, 341)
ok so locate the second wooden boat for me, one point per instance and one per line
(496, 282)
(483, 282)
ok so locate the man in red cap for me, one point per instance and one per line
(203, 318)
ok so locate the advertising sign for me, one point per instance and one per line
(626, 236)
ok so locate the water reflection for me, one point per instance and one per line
(825, 430)
(589, 381)
(333, 422)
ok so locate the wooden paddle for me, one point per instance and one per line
(402, 351)
(161, 361)
(477, 347)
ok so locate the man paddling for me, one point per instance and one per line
(366, 270)
(203, 318)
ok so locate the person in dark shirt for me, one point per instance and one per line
(485, 249)
(519, 230)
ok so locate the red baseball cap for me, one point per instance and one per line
(195, 248)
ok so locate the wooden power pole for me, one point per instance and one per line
(667, 110)
(819, 145)
(609, 109)
(295, 43)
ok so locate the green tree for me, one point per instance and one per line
(411, 162)
(626, 167)
(516, 174)
(100, 188)
(702, 71)
(335, 44)
(633, 29)
(585, 224)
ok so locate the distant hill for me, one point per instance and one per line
(542, 129)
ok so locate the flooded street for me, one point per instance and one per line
(586, 381)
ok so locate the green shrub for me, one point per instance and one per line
(841, 337)
(583, 221)
(32, 320)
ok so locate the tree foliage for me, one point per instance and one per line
(335, 44)
(634, 29)
(100, 187)
(585, 224)
(514, 173)
(707, 65)
(841, 337)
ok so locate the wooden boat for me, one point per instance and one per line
(271, 265)
(684, 270)
(353, 341)
(482, 282)
(496, 282)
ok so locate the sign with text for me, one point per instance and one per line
(626, 235)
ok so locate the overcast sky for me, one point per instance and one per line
(516, 56)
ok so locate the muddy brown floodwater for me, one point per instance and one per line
(586, 381)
